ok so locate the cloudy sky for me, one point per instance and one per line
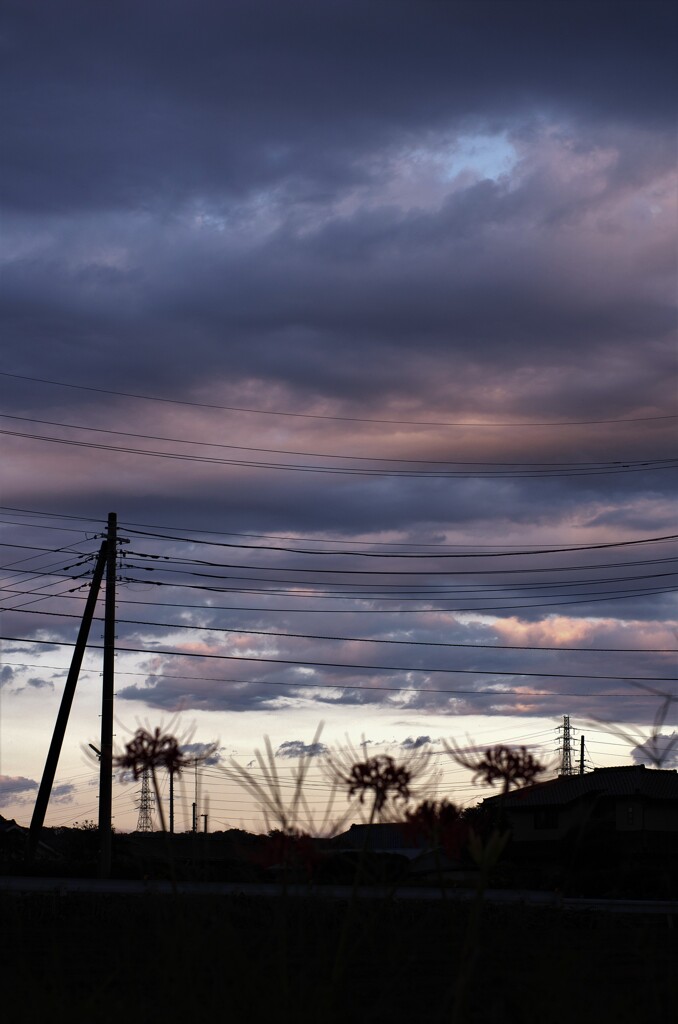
(361, 317)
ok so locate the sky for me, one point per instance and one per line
(361, 318)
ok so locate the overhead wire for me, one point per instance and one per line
(40, 526)
(187, 626)
(488, 553)
(437, 602)
(471, 467)
(335, 470)
(479, 550)
(179, 560)
(424, 670)
(326, 416)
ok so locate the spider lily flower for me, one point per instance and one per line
(148, 751)
(514, 767)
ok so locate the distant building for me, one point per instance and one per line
(382, 837)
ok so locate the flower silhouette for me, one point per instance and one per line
(148, 751)
(380, 776)
(515, 767)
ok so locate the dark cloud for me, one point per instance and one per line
(297, 749)
(15, 788)
(245, 96)
(38, 683)
(63, 794)
(414, 744)
(205, 753)
(418, 280)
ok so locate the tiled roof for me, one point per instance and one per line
(629, 780)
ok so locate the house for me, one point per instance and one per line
(405, 844)
(14, 842)
(382, 837)
(625, 801)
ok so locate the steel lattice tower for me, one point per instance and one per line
(565, 748)
(146, 803)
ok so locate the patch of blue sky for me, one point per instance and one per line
(487, 156)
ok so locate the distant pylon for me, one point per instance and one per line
(145, 819)
(565, 748)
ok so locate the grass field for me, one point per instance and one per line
(241, 959)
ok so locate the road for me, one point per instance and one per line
(521, 897)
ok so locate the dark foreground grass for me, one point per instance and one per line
(242, 959)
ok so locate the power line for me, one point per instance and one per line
(502, 553)
(393, 592)
(481, 467)
(357, 667)
(437, 602)
(179, 560)
(39, 526)
(359, 591)
(307, 685)
(33, 547)
(333, 470)
(361, 639)
(34, 600)
(388, 591)
(311, 636)
(489, 549)
(319, 416)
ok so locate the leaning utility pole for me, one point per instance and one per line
(49, 772)
(106, 764)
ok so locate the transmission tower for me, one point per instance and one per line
(145, 819)
(565, 747)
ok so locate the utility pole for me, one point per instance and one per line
(195, 805)
(581, 755)
(49, 772)
(106, 769)
(171, 801)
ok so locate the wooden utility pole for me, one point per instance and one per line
(195, 804)
(106, 768)
(52, 761)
